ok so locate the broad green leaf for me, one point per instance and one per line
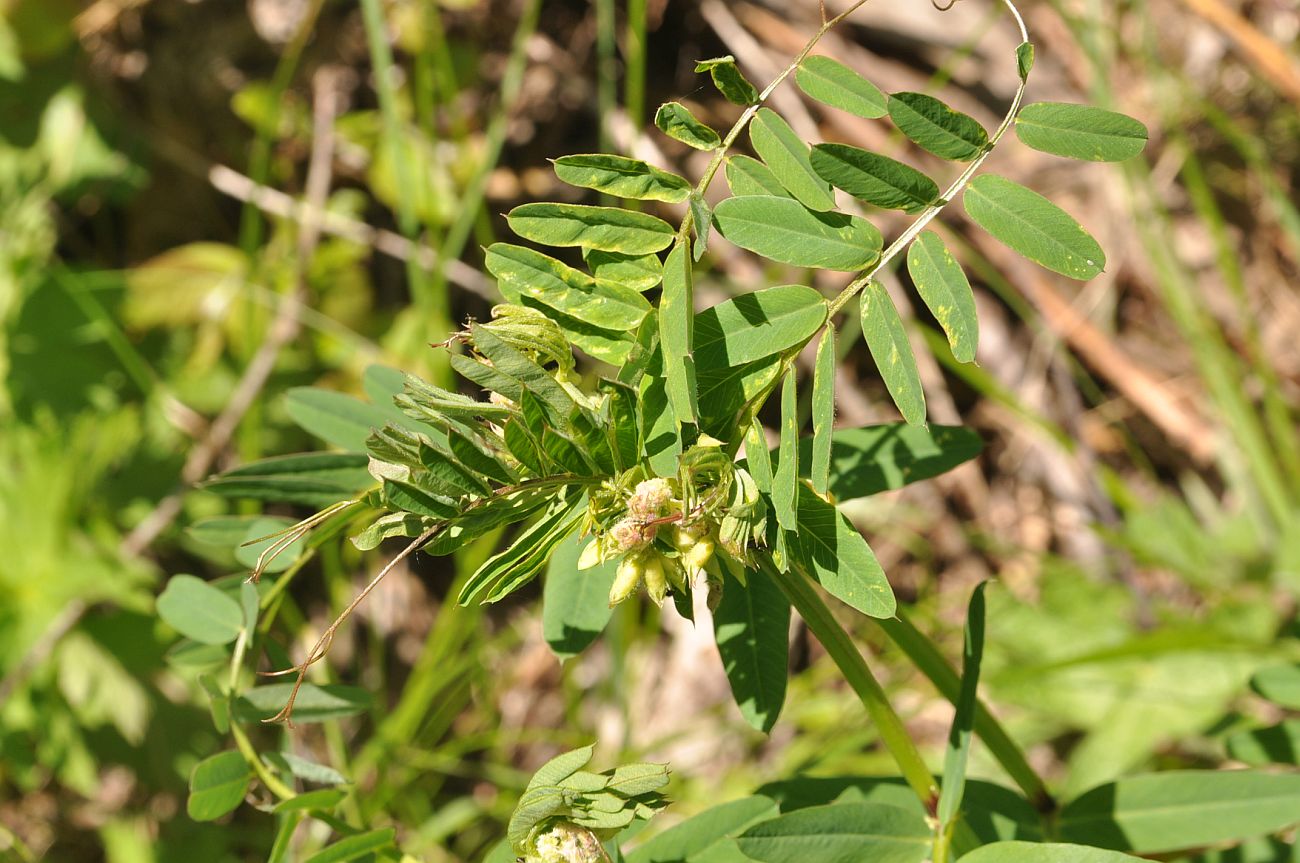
(608, 229)
(726, 390)
(1080, 132)
(840, 833)
(541, 383)
(266, 527)
(936, 128)
(757, 457)
(783, 230)
(887, 341)
(335, 418)
(199, 611)
(218, 785)
(787, 155)
(660, 434)
(638, 272)
(785, 479)
(1037, 852)
(729, 80)
(523, 272)
(874, 178)
(832, 83)
(823, 411)
(1280, 684)
(561, 767)
(622, 177)
(755, 325)
(872, 459)
(1277, 744)
(315, 703)
(830, 550)
(751, 625)
(1033, 226)
(1025, 59)
(354, 847)
(683, 841)
(963, 723)
(676, 322)
(746, 176)
(575, 602)
(322, 799)
(677, 122)
(946, 292)
(624, 426)
(1180, 809)
(308, 479)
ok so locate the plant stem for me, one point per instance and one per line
(930, 662)
(274, 785)
(799, 590)
(913, 230)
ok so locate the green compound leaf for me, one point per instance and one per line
(840, 833)
(751, 626)
(676, 321)
(936, 128)
(1033, 226)
(1038, 852)
(823, 411)
(308, 479)
(746, 176)
(199, 611)
(873, 178)
(694, 835)
(575, 602)
(783, 230)
(887, 340)
(1280, 684)
(218, 785)
(963, 723)
(524, 273)
(729, 80)
(622, 177)
(335, 418)
(1025, 59)
(757, 325)
(677, 122)
(785, 480)
(787, 155)
(832, 83)
(608, 229)
(829, 549)
(1277, 744)
(638, 272)
(1181, 809)
(354, 847)
(315, 703)
(946, 292)
(1080, 132)
(872, 459)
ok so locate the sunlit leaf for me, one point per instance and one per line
(676, 324)
(946, 292)
(746, 176)
(609, 229)
(1280, 684)
(1080, 132)
(785, 479)
(522, 272)
(787, 155)
(686, 840)
(1025, 59)
(218, 785)
(840, 833)
(1277, 744)
(784, 230)
(621, 177)
(756, 325)
(638, 272)
(936, 128)
(1033, 226)
(874, 178)
(835, 84)
(353, 847)
(729, 80)
(677, 122)
(830, 550)
(823, 411)
(315, 702)
(887, 341)
(1037, 852)
(199, 611)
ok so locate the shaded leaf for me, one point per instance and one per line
(575, 602)
(683, 841)
(701, 220)
(840, 833)
(265, 527)
(1080, 132)
(785, 479)
(872, 459)
(787, 155)
(936, 128)
(830, 550)
(676, 323)
(1037, 852)
(218, 785)
(353, 847)
(677, 122)
(1033, 226)
(335, 418)
(751, 625)
(523, 272)
(946, 292)
(874, 178)
(1277, 744)
(322, 799)
(963, 723)
(609, 229)
(887, 341)
(783, 230)
(1280, 684)
(1025, 59)
(638, 272)
(309, 479)
(729, 80)
(199, 611)
(832, 83)
(315, 702)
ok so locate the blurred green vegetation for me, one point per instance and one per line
(204, 204)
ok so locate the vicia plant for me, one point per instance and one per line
(633, 485)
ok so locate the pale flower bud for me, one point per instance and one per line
(626, 579)
(650, 498)
(568, 843)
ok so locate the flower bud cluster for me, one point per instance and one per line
(567, 843)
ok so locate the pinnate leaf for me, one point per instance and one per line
(729, 80)
(840, 833)
(622, 177)
(832, 83)
(609, 229)
(746, 176)
(1033, 226)
(1039, 852)
(1080, 132)
(829, 549)
(936, 128)
(823, 411)
(887, 340)
(787, 155)
(218, 785)
(874, 178)
(783, 230)
(946, 292)
(199, 611)
(677, 122)
(676, 322)
(751, 625)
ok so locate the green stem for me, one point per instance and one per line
(273, 784)
(930, 662)
(893, 734)
(914, 230)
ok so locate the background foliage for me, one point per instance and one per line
(204, 205)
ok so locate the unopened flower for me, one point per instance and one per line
(650, 499)
(568, 843)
